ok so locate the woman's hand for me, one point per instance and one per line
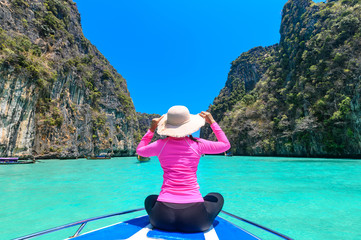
(207, 116)
(155, 122)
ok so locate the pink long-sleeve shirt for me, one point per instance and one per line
(179, 158)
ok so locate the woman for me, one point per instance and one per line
(180, 206)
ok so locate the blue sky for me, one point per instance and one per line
(174, 52)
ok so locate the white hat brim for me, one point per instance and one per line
(193, 125)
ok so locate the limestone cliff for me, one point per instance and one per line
(59, 96)
(245, 72)
(145, 120)
(302, 96)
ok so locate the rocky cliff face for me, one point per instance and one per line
(245, 72)
(145, 120)
(306, 96)
(59, 96)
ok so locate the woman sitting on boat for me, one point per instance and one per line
(180, 206)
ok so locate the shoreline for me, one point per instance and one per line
(353, 157)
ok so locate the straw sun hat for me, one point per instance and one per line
(178, 122)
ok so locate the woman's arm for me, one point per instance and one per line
(146, 150)
(211, 147)
(150, 150)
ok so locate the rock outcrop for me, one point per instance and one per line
(300, 97)
(59, 96)
(145, 120)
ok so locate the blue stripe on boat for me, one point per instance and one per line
(158, 234)
(118, 231)
(227, 231)
(224, 229)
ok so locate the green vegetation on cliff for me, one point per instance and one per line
(300, 97)
(145, 120)
(61, 97)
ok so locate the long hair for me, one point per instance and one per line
(192, 138)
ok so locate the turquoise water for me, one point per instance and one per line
(302, 198)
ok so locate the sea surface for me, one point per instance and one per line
(302, 198)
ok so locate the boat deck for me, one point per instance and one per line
(140, 228)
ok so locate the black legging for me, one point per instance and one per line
(184, 217)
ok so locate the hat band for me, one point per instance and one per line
(186, 121)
